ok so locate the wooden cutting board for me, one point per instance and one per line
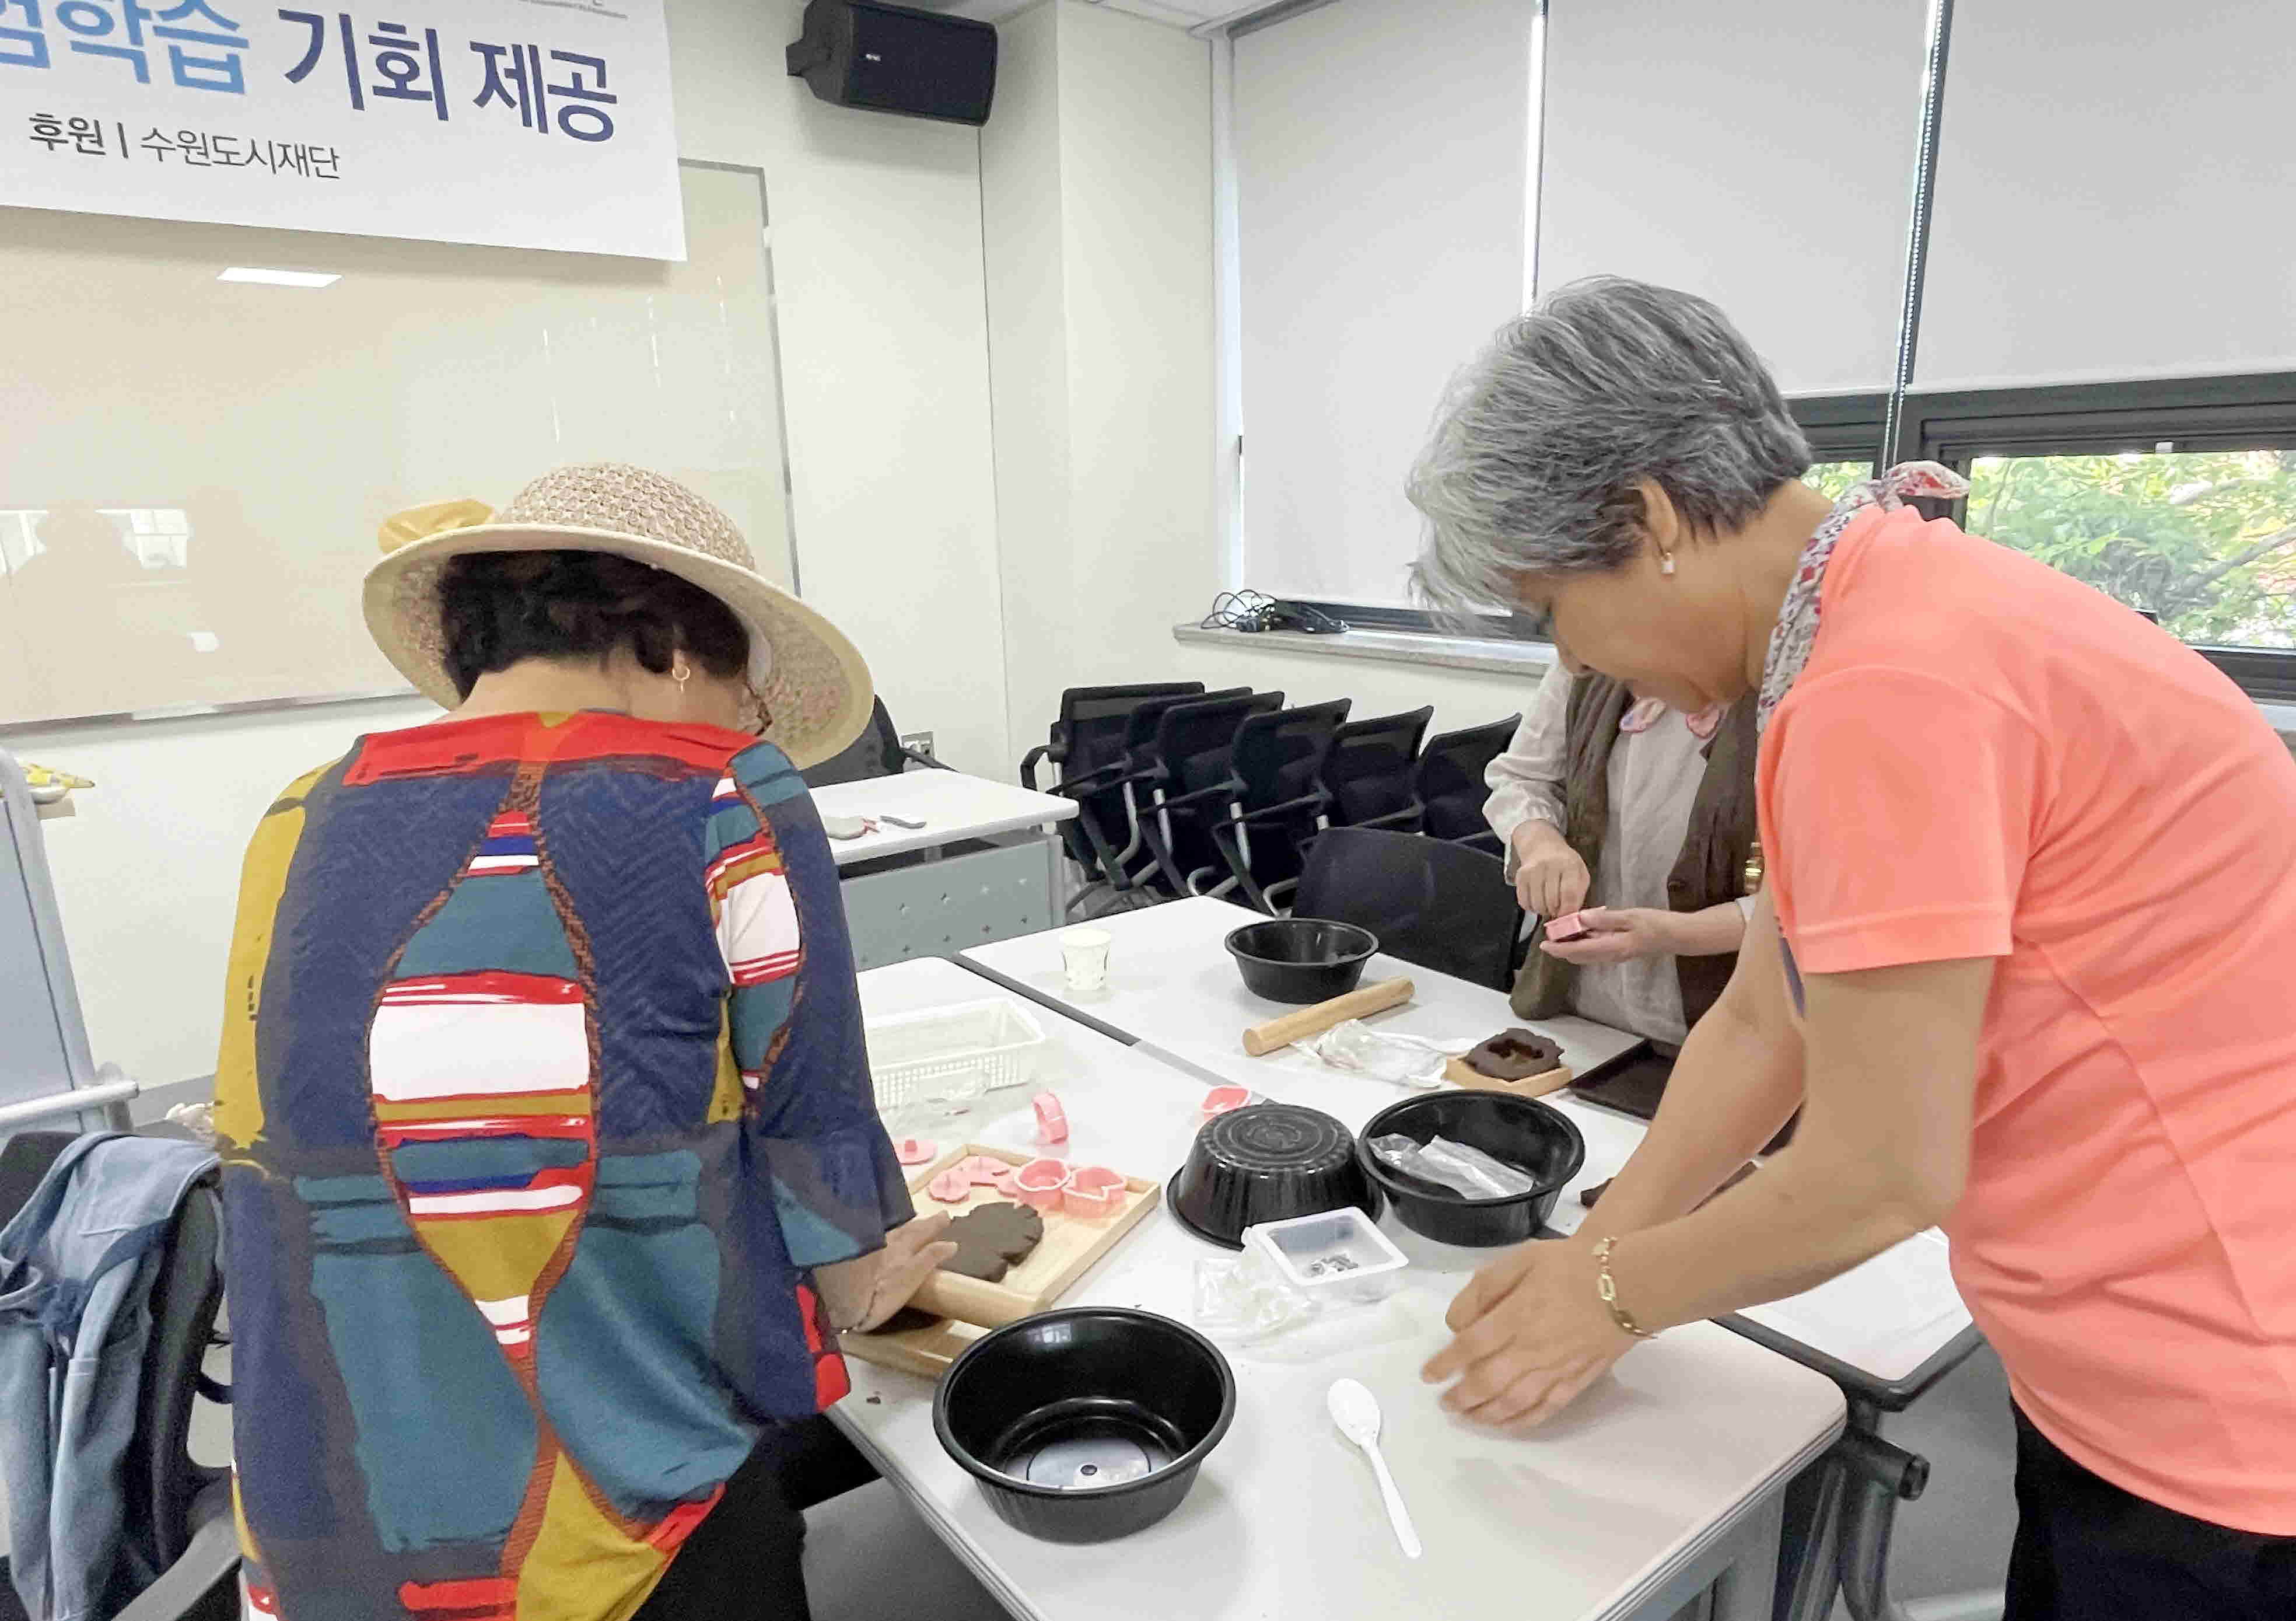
(1456, 1070)
(1071, 1248)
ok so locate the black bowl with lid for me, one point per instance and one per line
(1301, 960)
(1267, 1162)
(1086, 1424)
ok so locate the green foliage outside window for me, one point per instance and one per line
(2204, 540)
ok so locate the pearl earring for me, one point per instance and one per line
(1666, 563)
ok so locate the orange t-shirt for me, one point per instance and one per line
(1985, 758)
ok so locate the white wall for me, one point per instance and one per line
(877, 260)
(1097, 199)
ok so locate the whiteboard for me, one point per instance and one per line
(192, 471)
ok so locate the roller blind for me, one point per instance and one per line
(1380, 161)
(2114, 193)
(1762, 156)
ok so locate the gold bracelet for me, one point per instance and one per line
(1608, 1288)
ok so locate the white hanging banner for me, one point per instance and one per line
(518, 123)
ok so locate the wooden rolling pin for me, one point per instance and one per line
(1276, 1034)
(969, 1300)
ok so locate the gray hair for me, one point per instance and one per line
(1540, 439)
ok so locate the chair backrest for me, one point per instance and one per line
(875, 752)
(186, 1294)
(1095, 720)
(1147, 720)
(1279, 755)
(1194, 741)
(1368, 772)
(1449, 779)
(1437, 905)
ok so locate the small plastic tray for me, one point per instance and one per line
(1338, 1254)
(958, 1051)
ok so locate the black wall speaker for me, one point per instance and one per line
(892, 59)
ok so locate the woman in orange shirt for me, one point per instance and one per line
(2021, 960)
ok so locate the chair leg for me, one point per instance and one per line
(1229, 837)
(1158, 830)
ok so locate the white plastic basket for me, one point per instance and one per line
(954, 1052)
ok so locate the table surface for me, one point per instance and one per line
(951, 804)
(1172, 985)
(1592, 1516)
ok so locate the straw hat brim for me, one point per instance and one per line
(815, 685)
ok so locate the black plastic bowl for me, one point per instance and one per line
(1036, 1410)
(1265, 1163)
(1524, 1132)
(1301, 960)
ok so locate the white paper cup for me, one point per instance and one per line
(1084, 958)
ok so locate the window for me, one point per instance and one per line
(2176, 498)
(1835, 478)
(2203, 541)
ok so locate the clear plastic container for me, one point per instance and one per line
(1339, 1255)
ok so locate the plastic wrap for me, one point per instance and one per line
(1466, 1170)
(1406, 1060)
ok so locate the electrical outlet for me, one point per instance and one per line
(922, 742)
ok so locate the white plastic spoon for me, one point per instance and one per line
(1356, 1410)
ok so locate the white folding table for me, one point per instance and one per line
(980, 868)
(1885, 1331)
(1665, 1481)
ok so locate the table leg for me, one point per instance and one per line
(1746, 1590)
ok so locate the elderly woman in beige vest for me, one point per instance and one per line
(1643, 817)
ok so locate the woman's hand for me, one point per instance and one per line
(1549, 879)
(913, 1252)
(1532, 1332)
(1622, 934)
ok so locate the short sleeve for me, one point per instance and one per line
(1897, 811)
(793, 1015)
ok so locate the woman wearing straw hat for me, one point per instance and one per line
(2021, 957)
(551, 1160)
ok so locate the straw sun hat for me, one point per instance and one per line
(814, 684)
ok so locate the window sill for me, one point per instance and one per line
(1489, 656)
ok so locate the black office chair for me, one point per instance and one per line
(1277, 765)
(877, 751)
(1436, 904)
(180, 1510)
(1087, 746)
(1368, 775)
(1448, 788)
(1094, 742)
(1189, 785)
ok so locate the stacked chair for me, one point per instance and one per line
(1184, 792)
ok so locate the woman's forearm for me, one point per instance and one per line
(1883, 1151)
(1738, 1079)
(1804, 1217)
(1707, 932)
(1732, 1088)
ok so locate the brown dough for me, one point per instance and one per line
(992, 1239)
(1514, 1055)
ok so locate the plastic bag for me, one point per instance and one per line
(1354, 1046)
(1466, 1170)
(1246, 1300)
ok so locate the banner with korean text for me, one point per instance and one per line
(517, 123)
